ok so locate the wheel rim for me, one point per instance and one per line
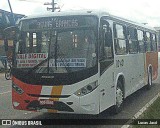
(150, 79)
(119, 97)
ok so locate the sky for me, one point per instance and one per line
(141, 11)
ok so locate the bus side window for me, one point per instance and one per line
(108, 43)
(133, 43)
(141, 41)
(106, 47)
(154, 42)
(120, 39)
(148, 41)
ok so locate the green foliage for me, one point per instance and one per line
(153, 112)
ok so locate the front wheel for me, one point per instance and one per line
(119, 99)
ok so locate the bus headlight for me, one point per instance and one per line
(87, 89)
(17, 88)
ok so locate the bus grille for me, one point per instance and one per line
(49, 96)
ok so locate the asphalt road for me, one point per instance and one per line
(131, 106)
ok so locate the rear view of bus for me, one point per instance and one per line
(56, 68)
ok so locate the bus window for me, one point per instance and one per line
(148, 41)
(120, 39)
(106, 47)
(45, 41)
(154, 42)
(35, 42)
(39, 41)
(132, 37)
(106, 41)
(28, 42)
(141, 41)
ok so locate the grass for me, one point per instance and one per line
(153, 112)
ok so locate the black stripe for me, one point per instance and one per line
(54, 78)
(50, 96)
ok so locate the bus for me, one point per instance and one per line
(81, 62)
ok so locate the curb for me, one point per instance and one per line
(142, 110)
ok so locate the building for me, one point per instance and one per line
(6, 20)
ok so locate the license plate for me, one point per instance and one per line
(46, 102)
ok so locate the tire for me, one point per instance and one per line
(149, 85)
(119, 98)
(8, 75)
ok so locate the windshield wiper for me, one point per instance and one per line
(57, 54)
(64, 63)
(35, 67)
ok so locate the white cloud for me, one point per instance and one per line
(137, 10)
(23, 7)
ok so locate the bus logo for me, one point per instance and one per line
(6, 122)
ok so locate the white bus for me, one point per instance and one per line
(81, 62)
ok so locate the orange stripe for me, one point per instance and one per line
(56, 90)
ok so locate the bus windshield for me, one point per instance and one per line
(57, 51)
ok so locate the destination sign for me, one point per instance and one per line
(58, 22)
(29, 60)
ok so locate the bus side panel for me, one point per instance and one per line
(132, 68)
(107, 89)
(152, 59)
(124, 65)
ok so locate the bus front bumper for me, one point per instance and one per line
(88, 104)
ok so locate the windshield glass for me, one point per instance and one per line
(68, 51)
(57, 45)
